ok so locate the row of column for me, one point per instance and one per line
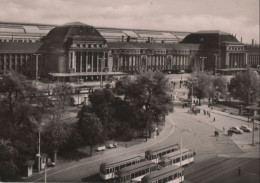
(88, 61)
(128, 61)
(237, 60)
(13, 62)
(254, 60)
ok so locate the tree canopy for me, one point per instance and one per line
(245, 86)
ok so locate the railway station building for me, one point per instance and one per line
(77, 51)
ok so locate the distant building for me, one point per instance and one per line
(77, 51)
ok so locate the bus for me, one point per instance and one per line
(108, 169)
(156, 153)
(171, 174)
(174, 158)
(136, 172)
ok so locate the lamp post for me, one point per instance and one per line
(182, 130)
(192, 83)
(36, 68)
(146, 106)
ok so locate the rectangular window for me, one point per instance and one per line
(117, 168)
(78, 45)
(89, 45)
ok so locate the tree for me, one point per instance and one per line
(90, 128)
(56, 131)
(16, 111)
(147, 87)
(8, 166)
(219, 86)
(101, 105)
(202, 85)
(245, 86)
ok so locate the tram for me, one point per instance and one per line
(156, 153)
(108, 169)
(174, 158)
(171, 174)
(136, 172)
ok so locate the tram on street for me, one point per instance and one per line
(171, 174)
(174, 158)
(108, 169)
(156, 153)
(136, 172)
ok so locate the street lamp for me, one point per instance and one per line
(36, 69)
(182, 130)
(146, 107)
(192, 83)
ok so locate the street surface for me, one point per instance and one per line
(201, 137)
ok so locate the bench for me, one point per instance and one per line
(101, 148)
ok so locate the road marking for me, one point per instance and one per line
(105, 158)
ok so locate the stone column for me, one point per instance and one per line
(80, 67)
(4, 62)
(92, 61)
(15, 62)
(86, 61)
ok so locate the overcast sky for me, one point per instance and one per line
(240, 17)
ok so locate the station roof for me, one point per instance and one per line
(19, 47)
(137, 45)
(62, 36)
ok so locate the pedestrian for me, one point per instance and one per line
(126, 145)
(239, 171)
(209, 114)
(214, 119)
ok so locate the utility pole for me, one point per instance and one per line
(36, 68)
(253, 130)
(182, 130)
(39, 148)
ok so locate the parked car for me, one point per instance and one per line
(236, 130)
(224, 110)
(245, 128)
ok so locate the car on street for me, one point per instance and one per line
(224, 110)
(236, 130)
(245, 128)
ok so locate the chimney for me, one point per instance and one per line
(241, 40)
(252, 41)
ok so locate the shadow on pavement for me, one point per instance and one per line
(95, 178)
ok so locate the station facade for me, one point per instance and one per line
(78, 51)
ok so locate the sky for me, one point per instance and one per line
(237, 17)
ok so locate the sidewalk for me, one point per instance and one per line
(242, 118)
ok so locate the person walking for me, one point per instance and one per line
(214, 119)
(239, 171)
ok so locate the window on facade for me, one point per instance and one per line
(100, 46)
(95, 45)
(78, 45)
(89, 45)
(84, 45)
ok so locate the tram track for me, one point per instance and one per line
(211, 171)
